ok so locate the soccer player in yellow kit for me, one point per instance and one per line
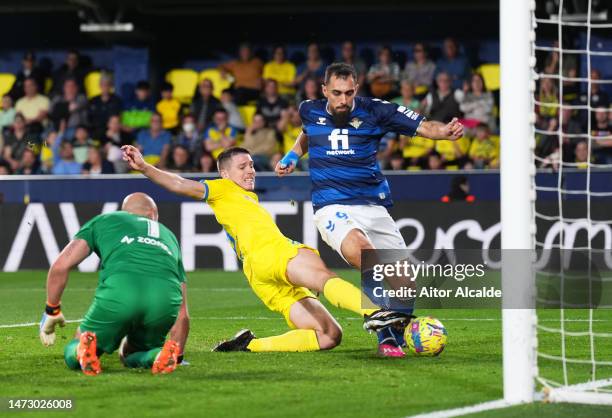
(282, 273)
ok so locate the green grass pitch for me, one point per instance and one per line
(349, 381)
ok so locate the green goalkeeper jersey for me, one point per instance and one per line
(133, 245)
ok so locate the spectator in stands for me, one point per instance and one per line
(71, 69)
(599, 98)
(205, 105)
(81, 144)
(220, 135)
(314, 67)
(434, 161)
(282, 71)
(96, 163)
(420, 71)
(271, 104)
(235, 119)
(384, 75)
(396, 162)
(64, 159)
(103, 106)
(247, 71)
(47, 156)
(69, 109)
(349, 56)
(33, 106)
(547, 109)
(180, 161)
(602, 137)
(137, 112)
(477, 103)
(28, 70)
(570, 69)
(483, 153)
(407, 98)
(7, 113)
(114, 139)
(17, 140)
(442, 105)
(262, 143)
(311, 91)
(29, 163)
(189, 136)
(154, 143)
(5, 168)
(290, 125)
(169, 108)
(581, 153)
(455, 65)
(386, 147)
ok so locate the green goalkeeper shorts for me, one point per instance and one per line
(141, 308)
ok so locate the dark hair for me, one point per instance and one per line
(340, 70)
(220, 110)
(143, 85)
(227, 154)
(166, 86)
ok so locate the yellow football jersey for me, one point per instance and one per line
(249, 227)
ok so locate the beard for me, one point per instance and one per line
(341, 118)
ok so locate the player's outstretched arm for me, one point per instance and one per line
(287, 164)
(169, 181)
(451, 131)
(75, 252)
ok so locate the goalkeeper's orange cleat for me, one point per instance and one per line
(167, 359)
(87, 354)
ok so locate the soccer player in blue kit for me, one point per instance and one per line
(350, 195)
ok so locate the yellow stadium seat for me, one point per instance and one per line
(490, 74)
(6, 83)
(247, 112)
(219, 83)
(92, 84)
(184, 81)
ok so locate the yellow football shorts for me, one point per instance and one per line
(266, 272)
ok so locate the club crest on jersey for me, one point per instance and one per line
(355, 123)
(322, 121)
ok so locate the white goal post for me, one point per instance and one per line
(518, 45)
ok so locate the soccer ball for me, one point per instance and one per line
(425, 336)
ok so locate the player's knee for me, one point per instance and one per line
(330, 337)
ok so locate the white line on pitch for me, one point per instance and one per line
(31, 324)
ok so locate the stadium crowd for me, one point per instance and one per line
(53, 128)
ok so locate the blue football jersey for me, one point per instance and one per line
(343, 165)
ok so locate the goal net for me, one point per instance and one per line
(570, 355)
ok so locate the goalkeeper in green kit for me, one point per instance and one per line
(141, 293)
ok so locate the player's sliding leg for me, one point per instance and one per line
(316, 329)
(307, 269)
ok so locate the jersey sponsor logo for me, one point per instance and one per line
(339, 143)
(154, 242)
(126, 240)
(409, 113)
